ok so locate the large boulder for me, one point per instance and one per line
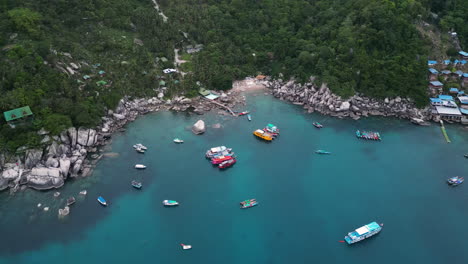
(45, 178)
(65, 166)
(10, 174)
(345, 106)
(32, 157)
(199, 127)
(86, 137)
(3, 184)
(51, 162)
(72, 133)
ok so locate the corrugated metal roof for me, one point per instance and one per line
(17, 113)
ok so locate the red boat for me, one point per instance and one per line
(227, 163)
(243, 113)
(220, 159)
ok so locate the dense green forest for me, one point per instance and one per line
(366, 46)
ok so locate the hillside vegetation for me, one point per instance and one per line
(366, 46)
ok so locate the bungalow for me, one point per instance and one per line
(18, 116)
(463, 54)
(458, 73)
(433, 74)
(448, 113)
(436, 101)
(456, 62)
(453, 90)
(431, 62)
(444, 97)
(446, 72)
(465, 77)
(463, 100)
(446, 62)
(435, 87)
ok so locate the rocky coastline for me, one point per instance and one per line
(322, 100)
(75, 152)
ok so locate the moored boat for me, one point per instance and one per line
(248, 203)
(369, 135)
(466, 156)
(170, 203)
(454, 181)
(227, 163)
(102, 201)
(71, 201)
(249, 117)
(363, 232)
(137, 185)
(140, 150)
(178, 140)
(221, 150)
(185, 247)
(221, 159)
(320, 151)
(272, 129)
(140, 166)
(139, 145)
(263, 135)
(317, 125)
(243, 113)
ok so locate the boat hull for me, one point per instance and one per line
(351, 239)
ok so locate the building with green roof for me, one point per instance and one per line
(14, 116)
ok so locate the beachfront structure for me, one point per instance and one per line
(431, 62)
(464, 55)
(435, 101)
(448, 113)
(207, 94)
(18, 115)
(435, 87)
(453, 90)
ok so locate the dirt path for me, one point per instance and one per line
(156, 6)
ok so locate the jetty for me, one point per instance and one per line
(444, 132)
(223, 106)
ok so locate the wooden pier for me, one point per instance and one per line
(223, 106)
(444, 132)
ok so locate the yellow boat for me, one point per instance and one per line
(263, 135)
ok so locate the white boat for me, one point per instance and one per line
(363, 232)
(178, 140)
(139, 146)
(140, 150)
(185, 247)
(140, 166)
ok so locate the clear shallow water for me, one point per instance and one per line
(308, 202)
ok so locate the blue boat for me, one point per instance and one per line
(363, 232)
(136, 184)
(320, 151)
(102, 201)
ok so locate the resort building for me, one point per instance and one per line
(433, 73)
(431, 62)
(18, 116)
(435, 87)
(448, 113)
(464, 55)
(207, 94)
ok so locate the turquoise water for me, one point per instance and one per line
(308, 202)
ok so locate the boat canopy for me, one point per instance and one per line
(218, 149)
(362, 230)
(372, 226)
(259, 131)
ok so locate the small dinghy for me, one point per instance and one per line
(178, 140)
(170, 203)
(137, 185)
(317, 125)
(320, 151)
(71, 201)
(454, 181)
(185, 247)
(249, 117)
(140, 150)
(140, 166)
(248, 203)
(102, 201)
(243, 113)
(140, 146)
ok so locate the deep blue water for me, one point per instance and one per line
(307, 204)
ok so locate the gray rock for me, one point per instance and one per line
(53, 149)
(118, 116)
(76, 168)
(345, 106)
(86, 137)
(45, 178)
(10, 174)
(65, 166)
(72, 134)
(33, 157)
(64, 138)
(3, 184)
(160, 95)
(398, 99)
(42, 132)
(52, 163)
(199, 127)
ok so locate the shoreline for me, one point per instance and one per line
(76, 151)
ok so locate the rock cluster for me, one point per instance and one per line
(67, 155)
(322, 100)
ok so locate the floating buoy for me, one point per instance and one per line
(341, 241)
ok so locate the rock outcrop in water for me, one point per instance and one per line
(322, 100)
(199, 127)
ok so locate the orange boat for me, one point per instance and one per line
(263, 135)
